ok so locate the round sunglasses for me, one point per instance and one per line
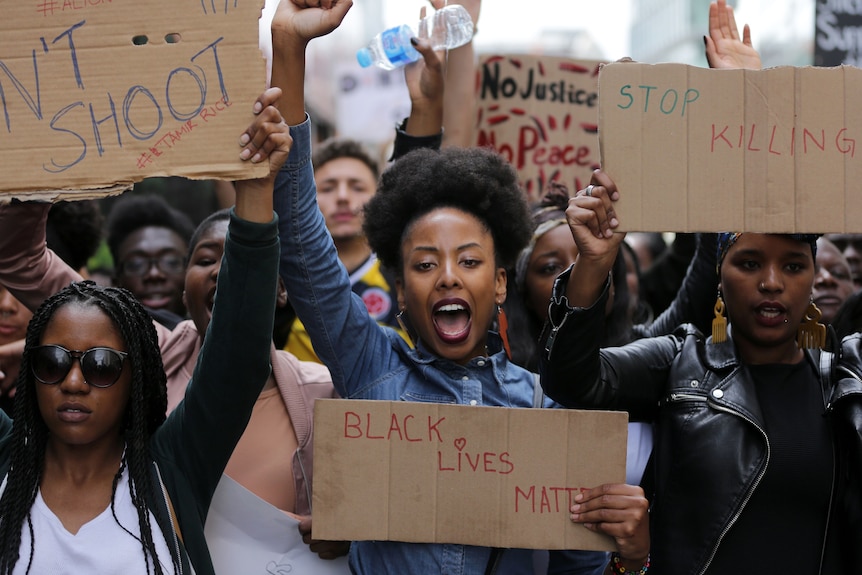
(101, 366)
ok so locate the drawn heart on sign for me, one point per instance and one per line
(460, 443)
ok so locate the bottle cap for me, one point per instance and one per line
(364, 57)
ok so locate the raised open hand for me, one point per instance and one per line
(724, 48)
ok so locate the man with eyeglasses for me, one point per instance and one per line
(149, 240)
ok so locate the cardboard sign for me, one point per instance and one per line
(98, 94)
(436, 473)
(699, 150)
(541, 113)
(381, 95)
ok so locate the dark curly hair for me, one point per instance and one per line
(477, 181)
(133, 212)
(144, 413)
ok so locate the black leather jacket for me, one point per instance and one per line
(711, 450)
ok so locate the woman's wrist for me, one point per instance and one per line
(629, 566)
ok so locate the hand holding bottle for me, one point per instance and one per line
(449, 27)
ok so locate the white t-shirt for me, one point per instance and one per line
(100, 546)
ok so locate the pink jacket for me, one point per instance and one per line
(32, 273)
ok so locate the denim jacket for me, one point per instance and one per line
(368, 361)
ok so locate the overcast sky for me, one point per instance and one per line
(607, 21)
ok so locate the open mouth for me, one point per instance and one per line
(771, 313)
(452, 320)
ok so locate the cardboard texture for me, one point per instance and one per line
(541, 113)
(98, 94)
(490, 476)
(699, 150)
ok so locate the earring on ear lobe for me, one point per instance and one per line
(811, 333)
(719, 322)
(503, 323)
(406, 332)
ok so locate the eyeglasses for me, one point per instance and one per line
(101, 366)
(140, 265)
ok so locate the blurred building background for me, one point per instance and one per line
(646, 30)
(673, 30)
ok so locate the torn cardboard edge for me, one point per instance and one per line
(107, 94)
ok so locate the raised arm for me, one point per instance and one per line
(28, 268)
(724, 48)
(294, 25)
(425, 84)
(345, 337)
(234, 361)
(459, 104)
(575, 372)
(592, 220)
(266, 140)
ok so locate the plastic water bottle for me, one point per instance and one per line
(449, 27)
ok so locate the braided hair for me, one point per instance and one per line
(144, 413)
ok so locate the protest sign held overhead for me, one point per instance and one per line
(540, 113)
(98, 94)
(699, 150)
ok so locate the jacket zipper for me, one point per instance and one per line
(687, 396)
(829, 409)
(829, 508)
(168, 508)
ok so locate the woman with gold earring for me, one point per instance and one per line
(758, 448)
(747, 421)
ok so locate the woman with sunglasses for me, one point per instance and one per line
(95, 478)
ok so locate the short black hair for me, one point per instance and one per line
(477, 181)
(223, 215)
(335, 148)
(74, 231)
(133, 212)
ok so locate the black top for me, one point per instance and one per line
(788, 511)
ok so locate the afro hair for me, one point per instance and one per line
(477, 181)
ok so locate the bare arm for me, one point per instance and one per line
(459, 101)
